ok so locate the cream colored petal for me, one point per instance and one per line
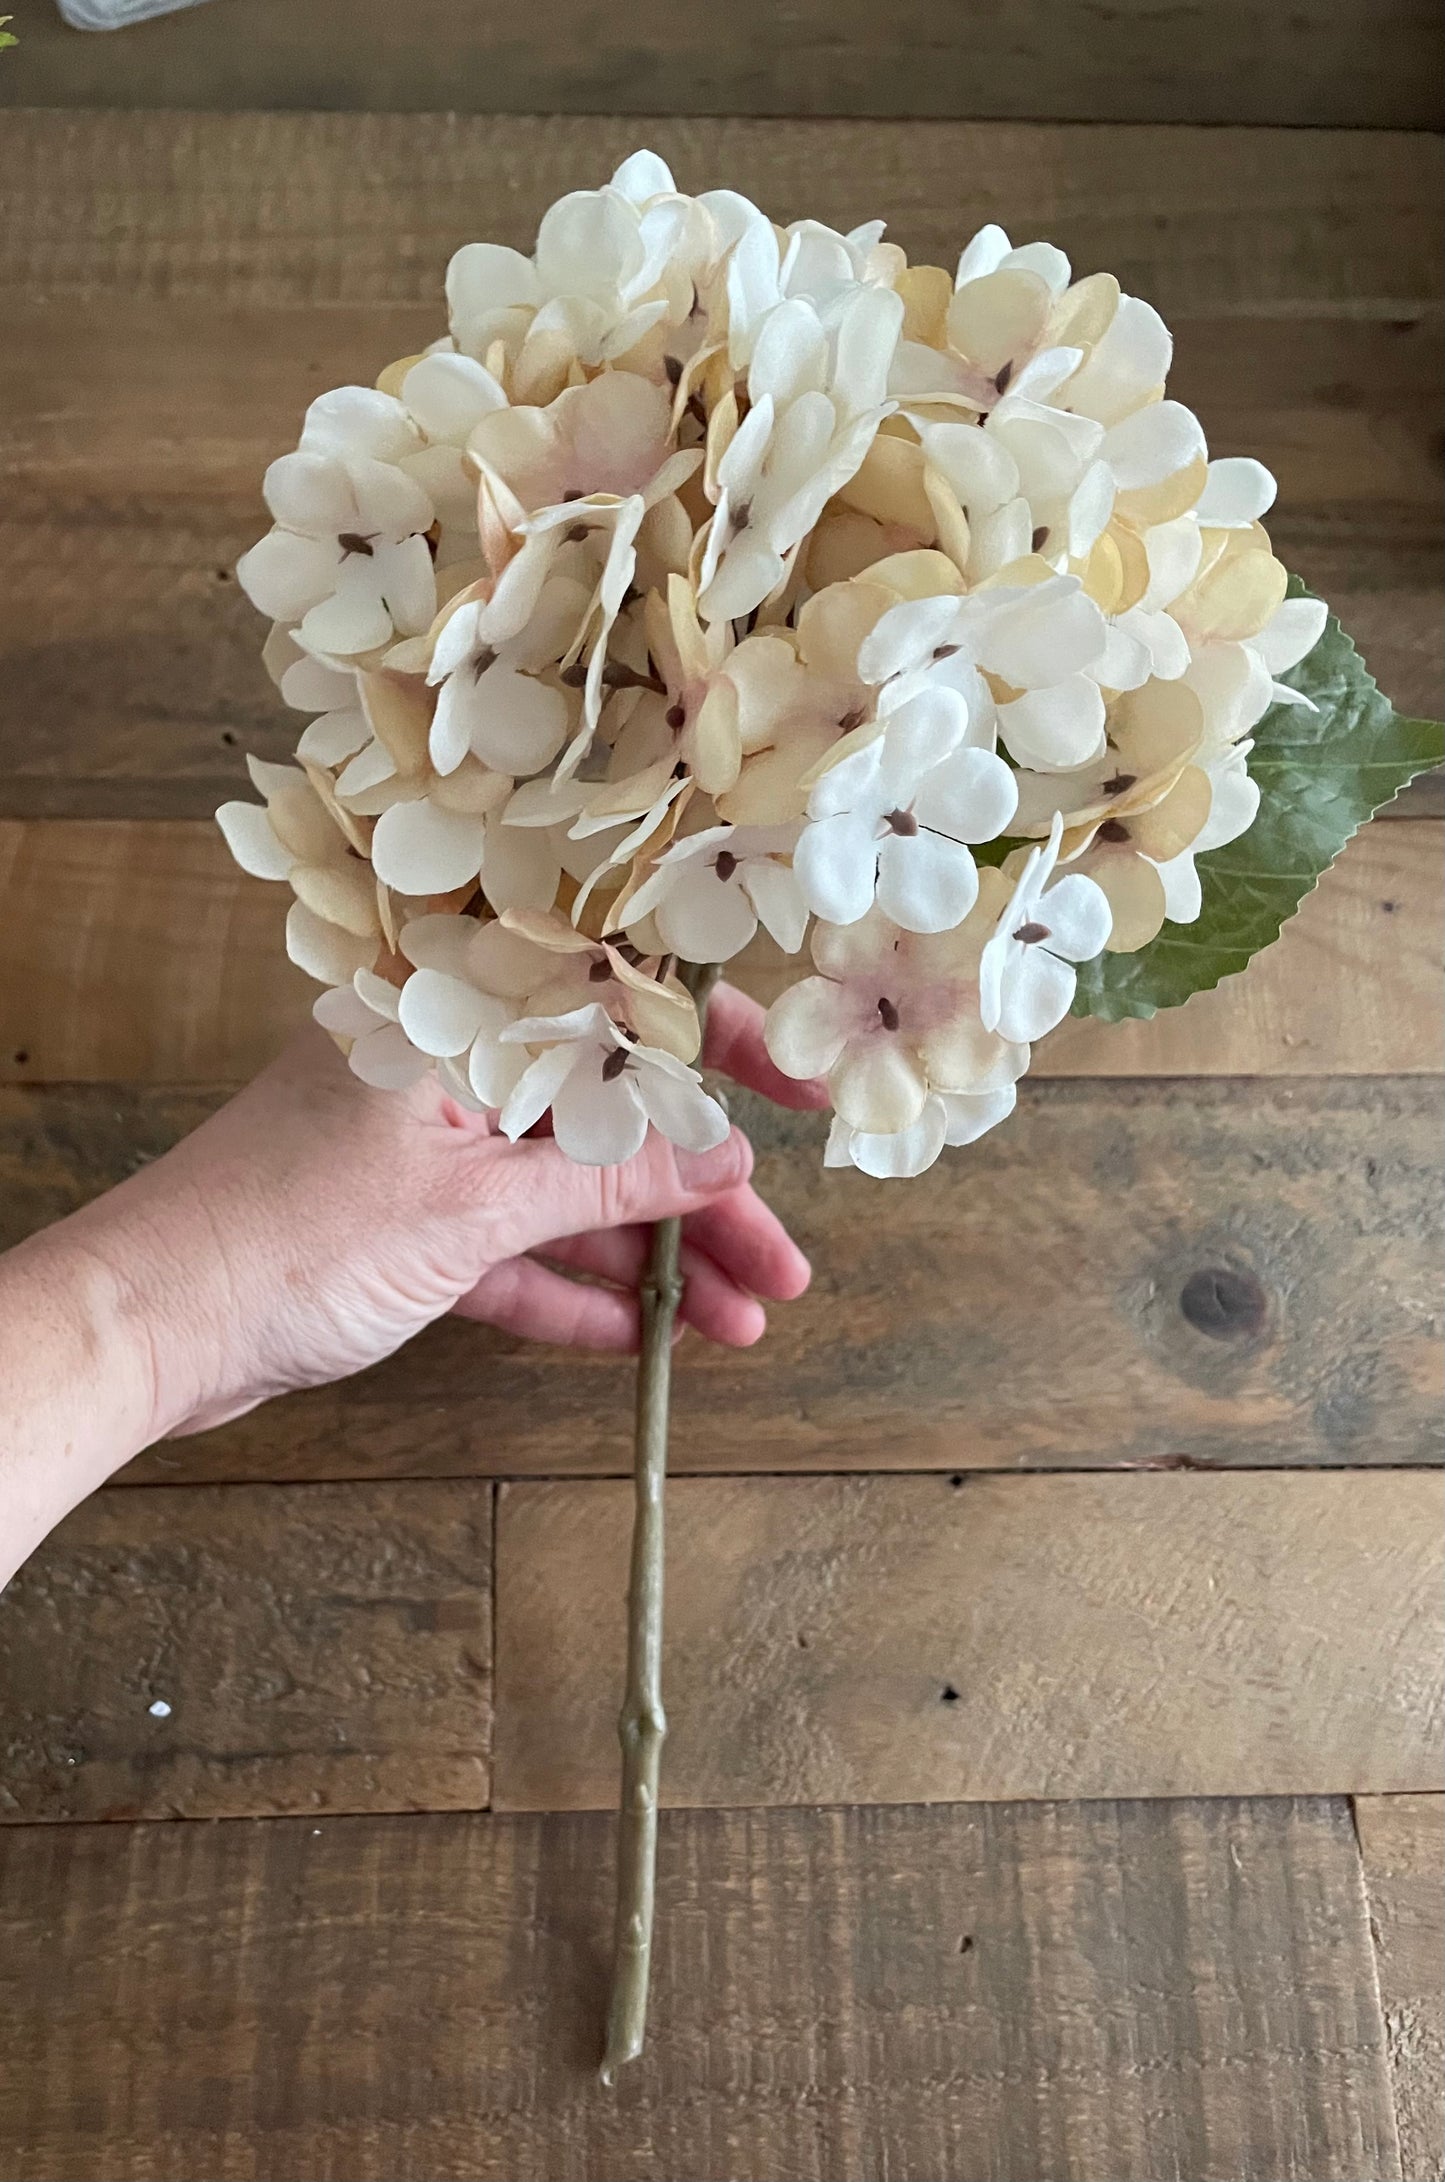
(1136, 897)
(878, 1084)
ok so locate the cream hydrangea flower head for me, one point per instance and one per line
(706, 576)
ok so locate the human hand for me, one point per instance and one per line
(313, 1224)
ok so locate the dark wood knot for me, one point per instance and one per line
(1224, 1303)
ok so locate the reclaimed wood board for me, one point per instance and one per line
(920, 1639)
(1324, 61)
(1229, 1273)
(279, 208)
(1402, 1842)
(194, 1653)
(150, 957)
(947, 1995)
(132, 680)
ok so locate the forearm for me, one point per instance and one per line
(80, 1386)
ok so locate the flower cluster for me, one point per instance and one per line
(709, 574)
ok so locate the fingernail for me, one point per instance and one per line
(719, 1168)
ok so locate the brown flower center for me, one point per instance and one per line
(887, 1014)
(1119, 783)
(351, 541)
(600, 971)
(902, 822)
(614, 1064)
(1031, 934)
(1113, 829)
(725, 863)
(676, 717)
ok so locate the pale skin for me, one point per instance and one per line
(313, 1225)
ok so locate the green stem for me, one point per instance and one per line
(642, 1724)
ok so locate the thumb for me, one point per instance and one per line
(550, 1195)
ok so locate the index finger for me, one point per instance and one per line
(733, 1043)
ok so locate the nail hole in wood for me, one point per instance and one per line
(949, 1695)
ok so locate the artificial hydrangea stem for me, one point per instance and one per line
(642, 1724)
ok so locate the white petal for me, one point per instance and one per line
(447, 394)
(906, 637)
(1237, 492)
(924, 731)
(642, 176)
(598, 1124)
(1077, 915)
(311, 493)
(877, 1085)
(408, 586)
(441, 1014)
(1152, 444)
(344, 1013)
(494, 1070)
(285, 575)
(925, 882)
(983, 255)
(251, 839)
(354, 619)
(971, 1114)
(324, 951)
(419, 848)
(519, 724)
(1183, 895)
(975, 463)
(836, 862)
(1233, 809)
(779, 902)
(536, 1088)
(706, 919)
(359, 421)
(1054, 729)
(907, 1152)
(335, 737)
(808, 1026)
(679, 1108)
(971, 797)
(440, 943)
(1035, 639)
(1290, 634)
(387, 1060)
(1125, 366)
(790, 355)
(1038, 993)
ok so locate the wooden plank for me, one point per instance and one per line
(1311, 1209)
(912, 1640)
(130, 678)
(950, 1995)
(191, 984)
(1402, 1842)
(356, 209)
(192, 1654)
(1329, 61)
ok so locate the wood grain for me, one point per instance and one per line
(318, 1649)
(1228, 1272)
(1328, 61)
(150, 957)
(276, 208)
(950, 1995)
(911, 1640)
(1402, 1842)
(130, 676)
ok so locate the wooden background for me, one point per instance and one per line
(1054, 1651)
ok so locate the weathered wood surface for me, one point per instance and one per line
(949, 1995)
(1303, 279)
(913, 1639)
(1402, 1842)
(1127, 1274)
(317, 1649)
(268, 208)
(1328, 61)
(149, 957)
(132, 679)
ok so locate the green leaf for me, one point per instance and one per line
(7, 37)
(1321, 775)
